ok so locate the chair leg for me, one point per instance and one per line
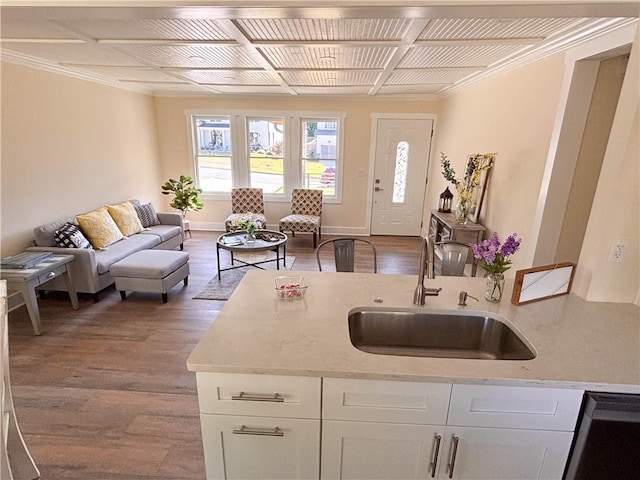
(123, 294)
(314, 240)
(165, 298)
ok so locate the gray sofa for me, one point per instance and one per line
(90, 270)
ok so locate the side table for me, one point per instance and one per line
(15, 461)
(26, 280)
(443, 228)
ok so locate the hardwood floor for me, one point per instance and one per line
(104, 393)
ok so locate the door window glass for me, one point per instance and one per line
(400, 175)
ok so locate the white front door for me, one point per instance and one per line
(400, 175)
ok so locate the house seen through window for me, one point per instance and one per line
(274, 152)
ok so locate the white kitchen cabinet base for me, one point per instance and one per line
(260, 452)
(495, 454)
(358, 450)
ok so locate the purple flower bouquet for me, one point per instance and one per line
(495, 256)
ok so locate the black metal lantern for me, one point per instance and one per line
(444, 205)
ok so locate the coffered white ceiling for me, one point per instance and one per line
(414, 48)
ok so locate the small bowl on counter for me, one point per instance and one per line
(290, 287)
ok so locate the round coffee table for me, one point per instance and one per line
(266, 240)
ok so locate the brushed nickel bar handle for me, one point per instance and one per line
(434, 460)
(267, 432)
(454, 452)
(258, 398)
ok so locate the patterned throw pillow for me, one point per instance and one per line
(147, 215)
(126, 218)
(70, 236)
(100, 228)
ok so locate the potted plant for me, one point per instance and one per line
(187, 197)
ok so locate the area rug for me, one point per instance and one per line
(222, 289)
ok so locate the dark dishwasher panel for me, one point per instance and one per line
(607, 443)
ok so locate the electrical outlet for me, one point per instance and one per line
(617, 252)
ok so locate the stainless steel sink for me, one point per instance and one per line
(436, 333)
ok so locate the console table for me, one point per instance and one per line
(443, 228)
(26, 280)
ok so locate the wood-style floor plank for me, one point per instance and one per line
(104, 393)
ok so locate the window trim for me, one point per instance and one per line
(238, 121)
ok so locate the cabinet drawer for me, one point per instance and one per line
(238, 447)
(261, 395)
(385, 401)
(515, 407)
(466, 236)
(45, 277)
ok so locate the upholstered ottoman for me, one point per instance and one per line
(155, 271)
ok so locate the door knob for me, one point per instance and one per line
(378, 189)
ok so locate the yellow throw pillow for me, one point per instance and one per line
(126, 218)
(99, 228)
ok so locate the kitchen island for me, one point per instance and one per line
(371, 407)
(592, 346)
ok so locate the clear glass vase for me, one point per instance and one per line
(461, 212)
(495, 287)
(250, 238)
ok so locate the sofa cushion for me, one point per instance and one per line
(149, 264)
(147, 215)
(44, 234)
(100, 228)
(126, 218)
(164, 232)
(122, 249)
(70, 236)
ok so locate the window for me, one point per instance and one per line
(319, 154)
(275, 152)
(213, 153)
(266, 155)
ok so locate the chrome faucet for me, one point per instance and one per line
(427, 268)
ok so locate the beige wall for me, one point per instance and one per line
(615, 215)
(350, 216)
(69, 146)
(513, 115)
(589, 163)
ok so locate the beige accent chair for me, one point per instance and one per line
(306, 213)
(344, 253)
(246, 200)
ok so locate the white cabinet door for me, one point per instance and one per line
(239, 447)
(368, 450)
(495, 454)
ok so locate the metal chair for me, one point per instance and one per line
(246, 200)
(455, 256)
(306, 213)
(344, 253)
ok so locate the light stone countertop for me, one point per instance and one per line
(579, 344)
